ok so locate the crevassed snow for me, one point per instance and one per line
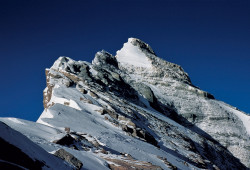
(132, 55)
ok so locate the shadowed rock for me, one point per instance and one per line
(61, 153)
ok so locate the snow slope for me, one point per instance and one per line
(44, 136)
(28, 148)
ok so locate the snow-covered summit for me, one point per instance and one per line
(135, 110)
(131, 54)
(138, 58)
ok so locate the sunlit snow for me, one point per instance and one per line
(132, 55)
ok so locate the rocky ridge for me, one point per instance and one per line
(138, 110)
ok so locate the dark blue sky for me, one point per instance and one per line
(210, 39)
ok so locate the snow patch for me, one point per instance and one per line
(132, 55)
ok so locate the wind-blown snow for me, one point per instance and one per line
(132, 55)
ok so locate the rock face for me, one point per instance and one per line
(135, 83)
(61, 153)
(137, 104)
(193, 107)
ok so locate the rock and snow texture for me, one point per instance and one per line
(45, 137)
(17, 151)
(135, 110)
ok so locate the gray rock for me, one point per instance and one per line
(67, 140)
(145, 91)
(105, 59)
(61, 153)
(143, 46)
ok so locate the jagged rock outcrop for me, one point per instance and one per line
(137, 104)
(61, 153)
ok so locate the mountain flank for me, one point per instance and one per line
(132, 110)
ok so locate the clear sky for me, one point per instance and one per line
(210, 39)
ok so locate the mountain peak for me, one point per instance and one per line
(141, 45)
(134, 54)
(138, 58)
(135, 110)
